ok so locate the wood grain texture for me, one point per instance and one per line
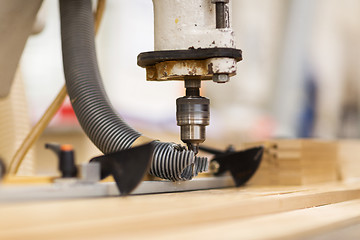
(150, 216)
(297, 224)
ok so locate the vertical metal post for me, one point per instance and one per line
(220, 13)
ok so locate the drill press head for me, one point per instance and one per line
(193, 42)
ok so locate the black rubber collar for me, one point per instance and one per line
(146, 59)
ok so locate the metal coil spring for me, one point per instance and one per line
(173, 162)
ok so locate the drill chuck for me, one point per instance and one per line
(192, 114)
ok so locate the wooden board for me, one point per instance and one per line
(151, 216)
(297, 162)
(349, 160)
(297, 224)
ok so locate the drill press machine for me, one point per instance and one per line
(193, 42)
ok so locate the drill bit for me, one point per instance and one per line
(193, 147)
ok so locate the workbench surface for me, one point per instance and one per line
(244, 213)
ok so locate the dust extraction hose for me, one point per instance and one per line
(99, 120)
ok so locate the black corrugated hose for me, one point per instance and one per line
(96, 116)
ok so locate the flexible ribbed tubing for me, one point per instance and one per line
(83, 81)
(101, 123)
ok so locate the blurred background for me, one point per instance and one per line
(299, 78)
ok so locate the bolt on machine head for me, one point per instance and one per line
(193, 42)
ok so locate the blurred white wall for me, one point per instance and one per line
(336, 57)
(126, 31)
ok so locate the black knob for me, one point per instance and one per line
(65, 154)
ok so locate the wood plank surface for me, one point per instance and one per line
(297, 224)
(177, 214)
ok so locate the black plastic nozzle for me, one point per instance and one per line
(128, 167)
(241, 164)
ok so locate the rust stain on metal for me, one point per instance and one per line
(178, 70)
(210, 68)
(151, 73)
